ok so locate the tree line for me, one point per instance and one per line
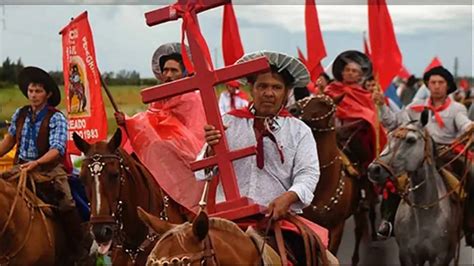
(10, 69)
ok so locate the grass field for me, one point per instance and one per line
(127, 98)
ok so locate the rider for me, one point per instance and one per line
(167, 65)
(284, 173)
(40, 131)
(168, 135)
(448, 121)
(232, 98)
(357, 131)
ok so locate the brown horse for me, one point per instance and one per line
(116, 184)
(213, 241)
(337, 194)
(28, 234)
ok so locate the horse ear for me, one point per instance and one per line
(155, 223)
(201, 225)
(116, 139)
(81, 144)
(337, 99)
(424, 117)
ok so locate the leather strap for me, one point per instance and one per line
(280, 243)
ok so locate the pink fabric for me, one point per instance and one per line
(166, 138)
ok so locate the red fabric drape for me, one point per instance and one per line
(357, 104)
(385, 53)
(232, 48)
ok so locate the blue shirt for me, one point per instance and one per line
(28, 150)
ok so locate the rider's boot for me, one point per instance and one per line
(385, 230)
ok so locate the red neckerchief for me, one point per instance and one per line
(232, 99)
(261, 130)
(233, 95)
(435, 110)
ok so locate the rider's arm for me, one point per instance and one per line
(461, 120)
(9, 140)
(306, 170)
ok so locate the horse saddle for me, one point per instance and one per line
(291, 249)
(450, 180)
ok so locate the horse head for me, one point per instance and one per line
(207, 241)
(407, 149)
(102, 175)
(317, 111)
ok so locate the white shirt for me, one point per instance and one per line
(299, 172)
(224, 102)
(454, 117)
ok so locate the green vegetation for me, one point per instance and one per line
(128, 99)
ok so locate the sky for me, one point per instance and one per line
(124, 41)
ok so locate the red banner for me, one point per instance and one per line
(82, 85)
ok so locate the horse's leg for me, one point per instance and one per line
(360, 221)
(335, 237)
(404, 257)
(372, 218)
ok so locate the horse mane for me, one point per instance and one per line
(137, 169)
(214, 223)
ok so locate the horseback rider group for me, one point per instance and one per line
(285, 172)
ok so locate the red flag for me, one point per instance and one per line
(434, 63)
(301, 56)
(82, 85)
(404, 73)
(385, 53)
(464, 84)
(366, 46)
(232, 48)
(314, 40)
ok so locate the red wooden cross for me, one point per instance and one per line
(204, 80)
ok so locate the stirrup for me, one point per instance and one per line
(385, 237)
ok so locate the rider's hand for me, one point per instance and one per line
(280, 206)
(378, 97)
(212, 135)
(120, 118)
(29, 165)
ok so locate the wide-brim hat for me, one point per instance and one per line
(351, 56)
(443, 72)
(37, 75)
(282, 61)
(164, 53)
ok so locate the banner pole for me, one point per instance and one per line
(109, 95)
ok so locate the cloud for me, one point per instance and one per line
(353, 18)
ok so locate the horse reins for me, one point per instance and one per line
(20, 192)
(401, 134)
(95, 169)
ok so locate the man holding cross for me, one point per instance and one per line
(284, 173)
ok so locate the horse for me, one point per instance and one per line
(116, 183)
(337, 194)
(207, 241)
(29, 234)
(427, 222)
(217, 241)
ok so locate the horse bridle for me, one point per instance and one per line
(205, 257)
(326, 99)
(401, 134)
(95, 167)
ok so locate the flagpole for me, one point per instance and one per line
(109, 95)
